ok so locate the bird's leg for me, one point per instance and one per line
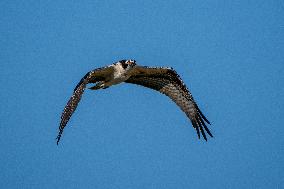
(99, 85)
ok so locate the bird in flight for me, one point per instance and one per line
(162, 79)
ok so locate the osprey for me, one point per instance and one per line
(162, 79)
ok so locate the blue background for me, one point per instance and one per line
(229, 53)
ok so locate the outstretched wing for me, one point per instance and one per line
(168, 82)
(91, 77)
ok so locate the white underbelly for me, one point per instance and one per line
(117, 80)
(119, 75)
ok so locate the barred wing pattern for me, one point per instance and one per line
(168, 82)
(91, 77)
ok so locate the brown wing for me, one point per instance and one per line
(91, 77)
(168, 82)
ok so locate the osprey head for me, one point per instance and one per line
(126, 64)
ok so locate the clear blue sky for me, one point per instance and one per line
(229, 53)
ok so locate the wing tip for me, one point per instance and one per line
(196, 128)
(201, 115)
(58, 139)
(59, 136)
(200, 126)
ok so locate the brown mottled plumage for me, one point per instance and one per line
(162, 79)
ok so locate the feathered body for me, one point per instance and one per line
(162, 79)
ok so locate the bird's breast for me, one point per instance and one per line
(119, 75)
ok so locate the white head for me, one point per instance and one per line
(127, 64)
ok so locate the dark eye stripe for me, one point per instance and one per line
(124, 65)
